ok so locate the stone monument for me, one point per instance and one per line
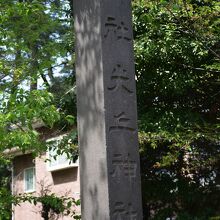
(107, 115)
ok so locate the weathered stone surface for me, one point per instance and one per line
(107, 117)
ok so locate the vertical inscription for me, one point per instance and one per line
(121, 129)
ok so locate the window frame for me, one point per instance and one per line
(59, 166)
(34, 180)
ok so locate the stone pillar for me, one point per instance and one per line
(107, 115)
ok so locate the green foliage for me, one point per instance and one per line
(177, 71)
(5, 203)
(36, 85)
(68, 146)
(58, 205)
(51, 204)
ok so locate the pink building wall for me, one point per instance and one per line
(61, 182)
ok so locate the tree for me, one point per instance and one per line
(35, 45)
(177, 71)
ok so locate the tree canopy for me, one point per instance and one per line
(177, 71)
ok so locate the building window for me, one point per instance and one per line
(29, 179)
(57, 161)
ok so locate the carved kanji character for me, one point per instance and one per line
(123, 211)
(119, 30)
(123, 32)
(130, 168)
(117, 163)
(123, 166)
(120, 79)
(119, 211)
(132, 215)
(120, 123)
